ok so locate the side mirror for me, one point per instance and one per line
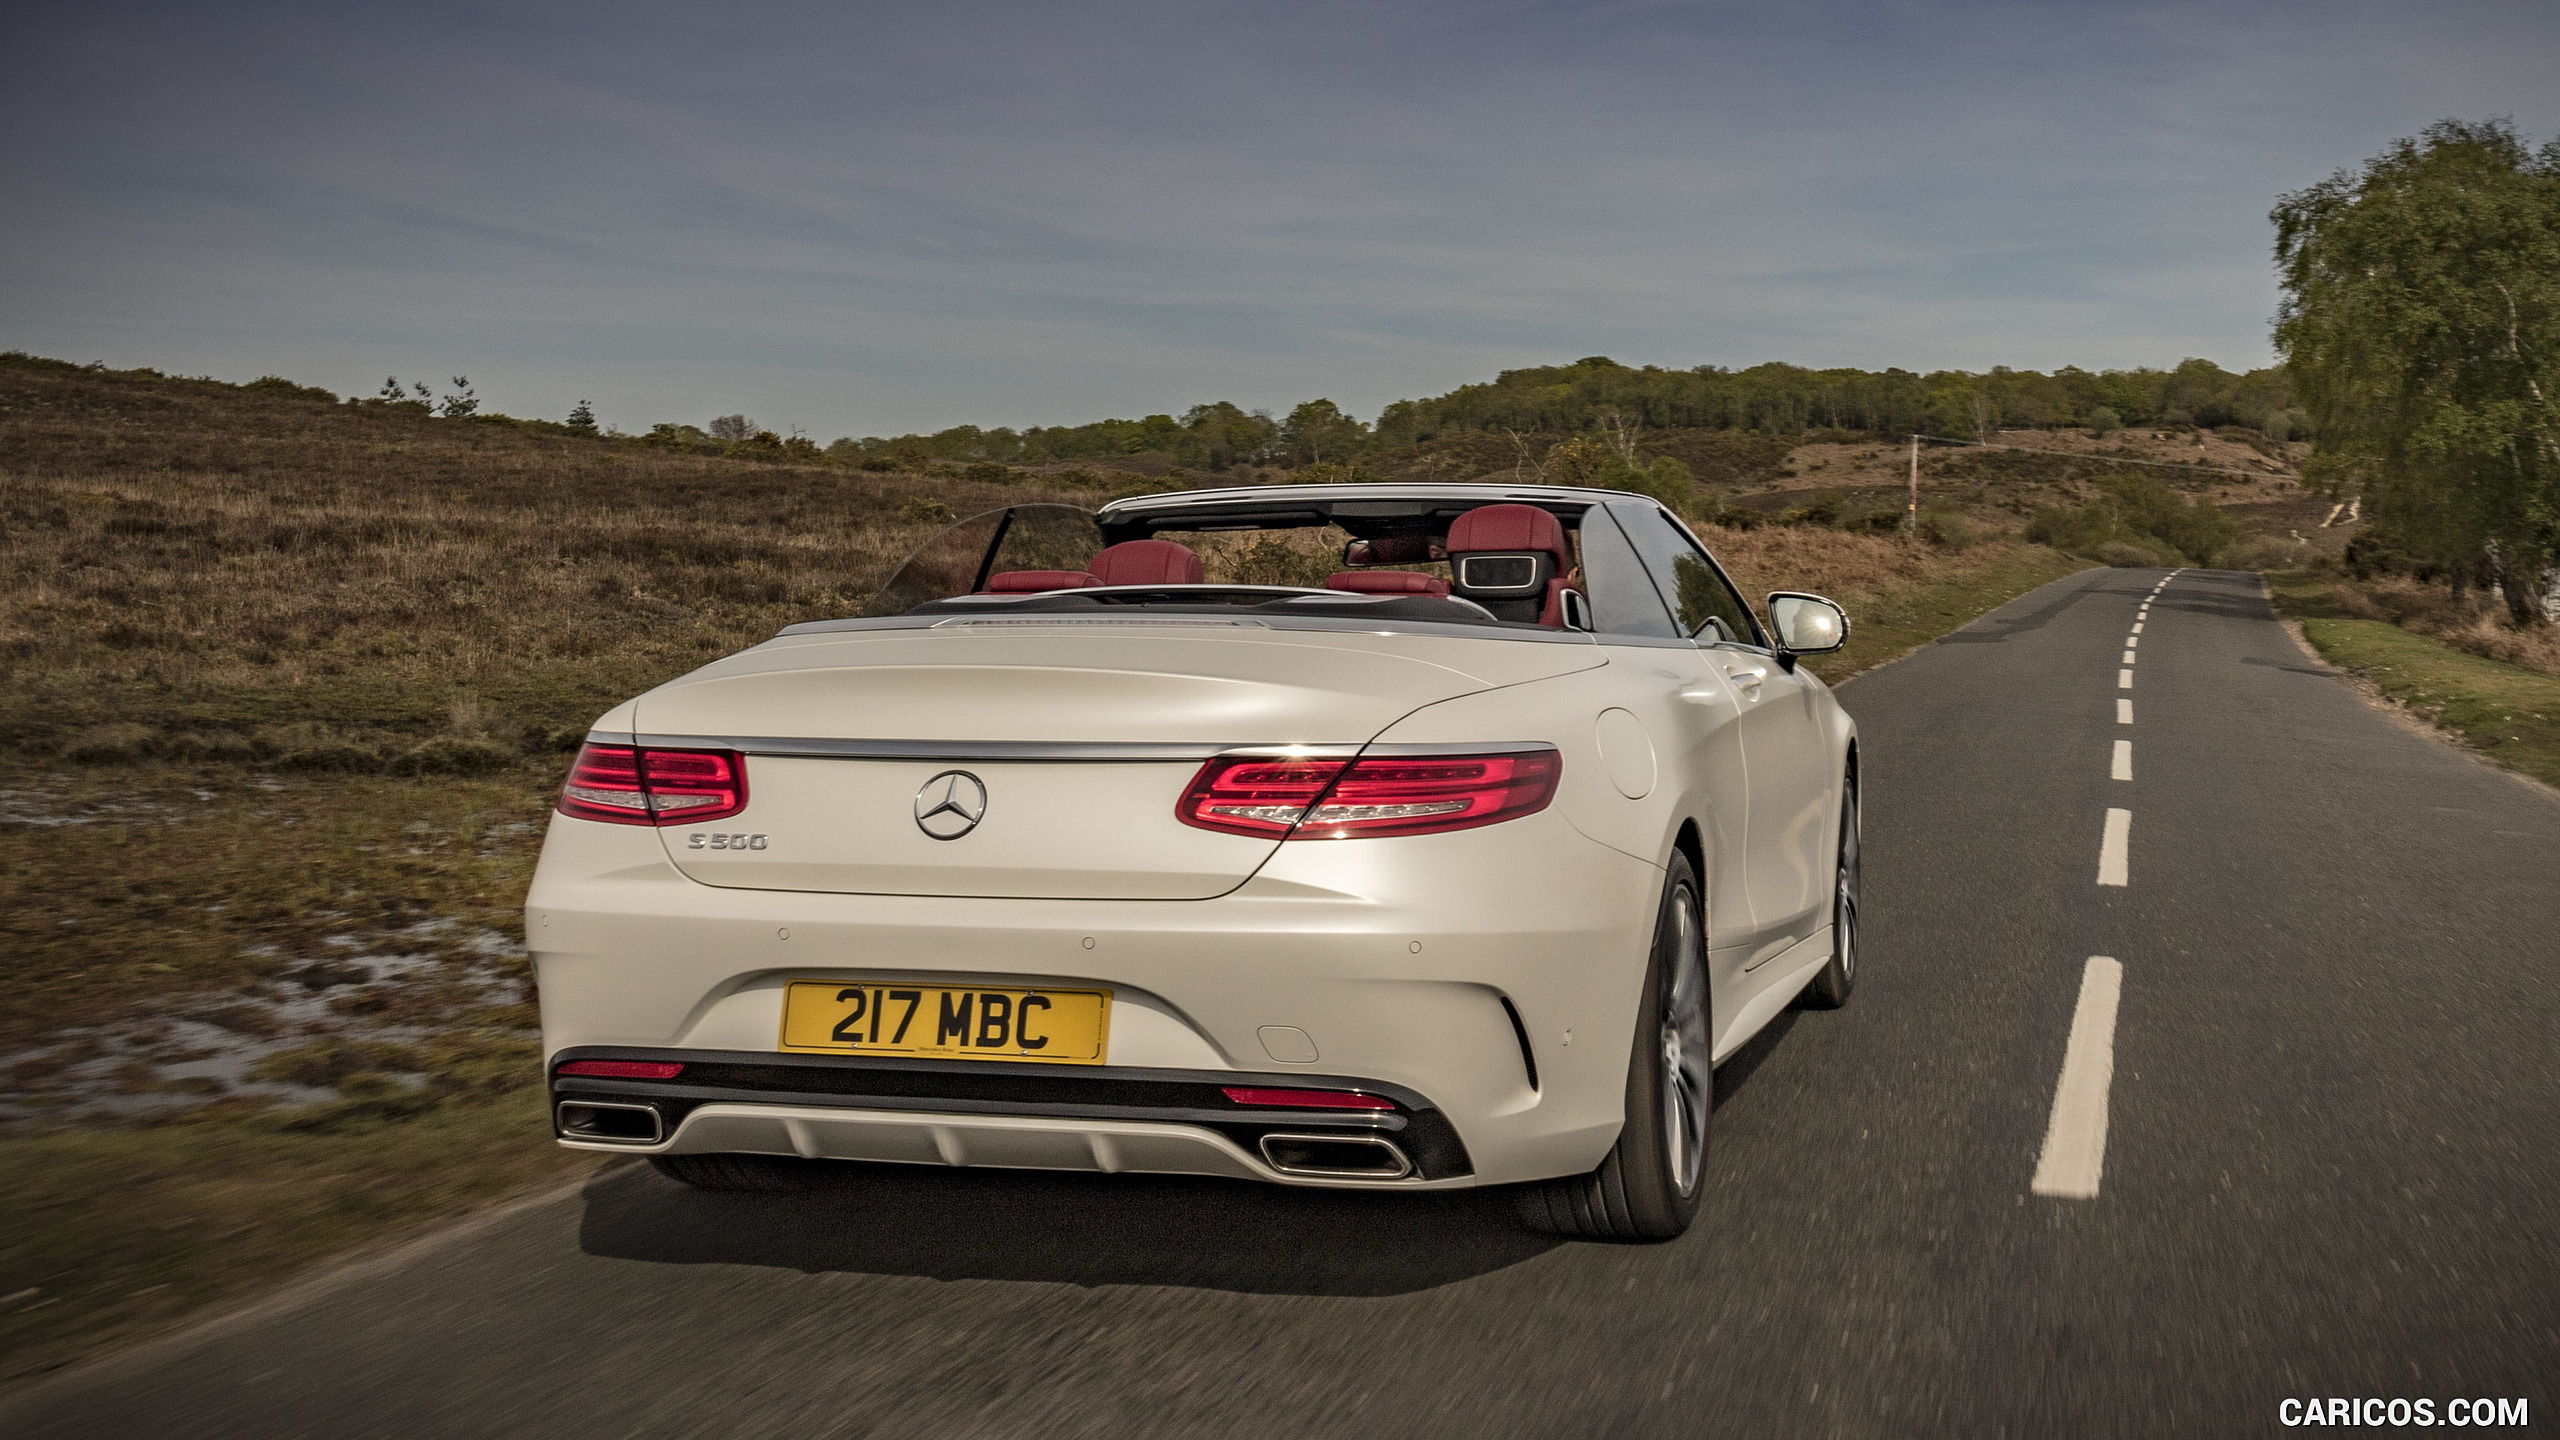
(1807, 624)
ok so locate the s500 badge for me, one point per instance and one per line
(699, 841)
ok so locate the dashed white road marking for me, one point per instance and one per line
(2137, 627)
(2130, 641)
(2124, 712)
(2115, 849)
(2122, 767)
(2075, 1138)
(2128, 658)
(2124, 679)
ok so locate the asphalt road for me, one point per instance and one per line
(2331, 1166)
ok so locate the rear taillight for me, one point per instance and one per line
(624, 1069)
(1301, 798)
(628, 785)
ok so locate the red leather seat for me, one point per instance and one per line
(1386, 582)
(1027, 582)
(1146, 562)
(1509, 527)
(1515, 530)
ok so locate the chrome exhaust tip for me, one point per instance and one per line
(609, 1122)
(1336, 1157)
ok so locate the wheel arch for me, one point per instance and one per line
(1688, 843)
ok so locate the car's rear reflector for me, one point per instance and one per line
(1305, 798)
(624, 1069)
(628, 785)
(1307, 1099)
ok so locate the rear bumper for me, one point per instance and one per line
(1490, 975)
(1039, 1117)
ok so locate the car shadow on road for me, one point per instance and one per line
(1064, 1228)
(1742, 1064)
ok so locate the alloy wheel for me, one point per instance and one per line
(1688, 1079)
(1844, 904)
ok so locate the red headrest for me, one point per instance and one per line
(1508, 527)
(1025, 582)
(1147, 562)
(1387, 582)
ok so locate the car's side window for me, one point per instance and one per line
(1623, 600)
(1703, 600)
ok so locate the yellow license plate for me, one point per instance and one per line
(978, 1022)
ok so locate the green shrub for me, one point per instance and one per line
(2135, 554)
(1666, 480)
(278, 385)
(2266, 552)
(1946, 527)
(2143, 512)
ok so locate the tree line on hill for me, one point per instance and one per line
(1594, 395)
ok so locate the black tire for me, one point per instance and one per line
(1648, 1187)
(1830, 989)
(754, 1174)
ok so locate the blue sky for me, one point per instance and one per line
(856, 219)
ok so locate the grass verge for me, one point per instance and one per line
(1895, 620)
(111, 1233)
(2508, 714)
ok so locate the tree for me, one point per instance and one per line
(583, 419)
(1318, 430)
(732, 428)
(2420, 325)
(460, 402)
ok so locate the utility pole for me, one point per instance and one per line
(1913, 519)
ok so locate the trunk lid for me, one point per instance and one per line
(1080, 737)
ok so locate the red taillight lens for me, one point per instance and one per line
(1256, 796)
(1307, 1099)
(624, 1069)
(629, 786)
(1307, 799)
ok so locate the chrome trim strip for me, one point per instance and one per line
(1039, 751)
(1070, 751)
(1463, 747)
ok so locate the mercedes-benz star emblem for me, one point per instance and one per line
(951, 804)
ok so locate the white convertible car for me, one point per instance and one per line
(1091, 848)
